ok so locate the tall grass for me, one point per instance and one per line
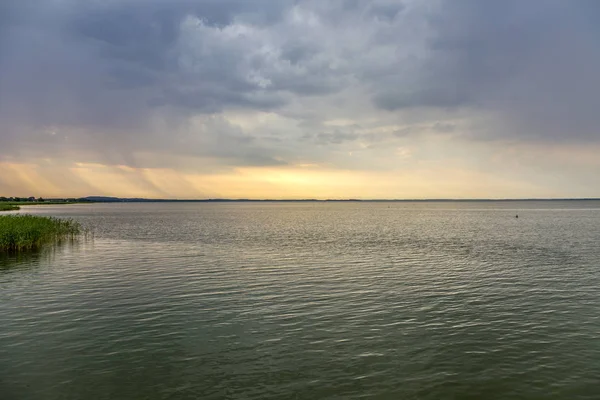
(23, 232)
(8, 207)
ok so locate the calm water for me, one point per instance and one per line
(308, 301)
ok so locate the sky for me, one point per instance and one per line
(300, 99)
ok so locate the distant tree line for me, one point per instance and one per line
(33, 199)
(21, 199)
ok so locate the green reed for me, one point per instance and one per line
(8, 207)
(23, 232)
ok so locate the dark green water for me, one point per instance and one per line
(308, 301)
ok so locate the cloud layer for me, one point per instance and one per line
(209, 86)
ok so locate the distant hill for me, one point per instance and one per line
(106, 199)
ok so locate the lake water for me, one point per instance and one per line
(308, 301)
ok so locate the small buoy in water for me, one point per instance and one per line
(517, 216)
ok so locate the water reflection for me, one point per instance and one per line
(13, 261)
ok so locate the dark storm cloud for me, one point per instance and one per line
(530, 64)
(112, 63)
(97, 74)
(118, 57)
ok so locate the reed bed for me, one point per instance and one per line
(8, 207)
(24, 232)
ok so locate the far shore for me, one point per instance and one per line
(12, 205)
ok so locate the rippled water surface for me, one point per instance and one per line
(308, 301)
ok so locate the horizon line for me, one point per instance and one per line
(100, 199)
(132, 199)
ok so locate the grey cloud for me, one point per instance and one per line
(77, 62)
(442, 96)
(386, 10)
(119, 77)
(210, 99)
(444, 127)
(336, 136)
(105, 71)
(296, 52)
(436, 127)
(530, 65)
